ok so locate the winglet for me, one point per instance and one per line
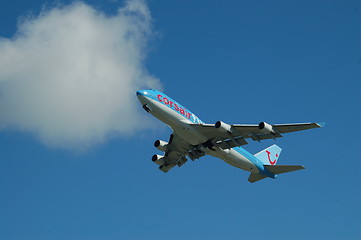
(321, 124)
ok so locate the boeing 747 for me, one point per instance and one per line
(192, 138)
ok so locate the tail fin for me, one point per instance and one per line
(270, 155)
(269, 158)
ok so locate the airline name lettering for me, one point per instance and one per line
(175, 106)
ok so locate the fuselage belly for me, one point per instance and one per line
(180, 124)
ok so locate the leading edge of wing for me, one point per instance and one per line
(255, 126)
(253, 131)
(320, 124)
(293, 127)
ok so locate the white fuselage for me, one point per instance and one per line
(182, 126)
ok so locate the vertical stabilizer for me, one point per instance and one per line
(270, 155)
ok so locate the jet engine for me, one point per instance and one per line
(223, 127)
(158, 159)
(161, 145)
(265, 127)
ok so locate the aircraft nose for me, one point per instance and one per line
(141, 92)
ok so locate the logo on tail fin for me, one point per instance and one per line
(270, 155)
(269, 158)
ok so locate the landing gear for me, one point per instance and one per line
(146, 108)
(209, 144)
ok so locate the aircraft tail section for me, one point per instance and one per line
(275, 169)
(270, 155)
(254, 177)
(283, 168)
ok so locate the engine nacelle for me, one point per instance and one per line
(161, 145)
(158, 159)
(265, 127)
(223, 127)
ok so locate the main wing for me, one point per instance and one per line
(176, 152)
(229, 136)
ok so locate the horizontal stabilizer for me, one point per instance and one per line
(278, 169)
(254, 177)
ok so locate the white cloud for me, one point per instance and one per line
(69, 75)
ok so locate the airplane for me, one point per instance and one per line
(193, 138)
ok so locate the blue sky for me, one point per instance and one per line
(235, 61)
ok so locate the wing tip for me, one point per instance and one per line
(321, 124)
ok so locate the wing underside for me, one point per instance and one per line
(177, 152)
(178, 149)
(238, 133)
